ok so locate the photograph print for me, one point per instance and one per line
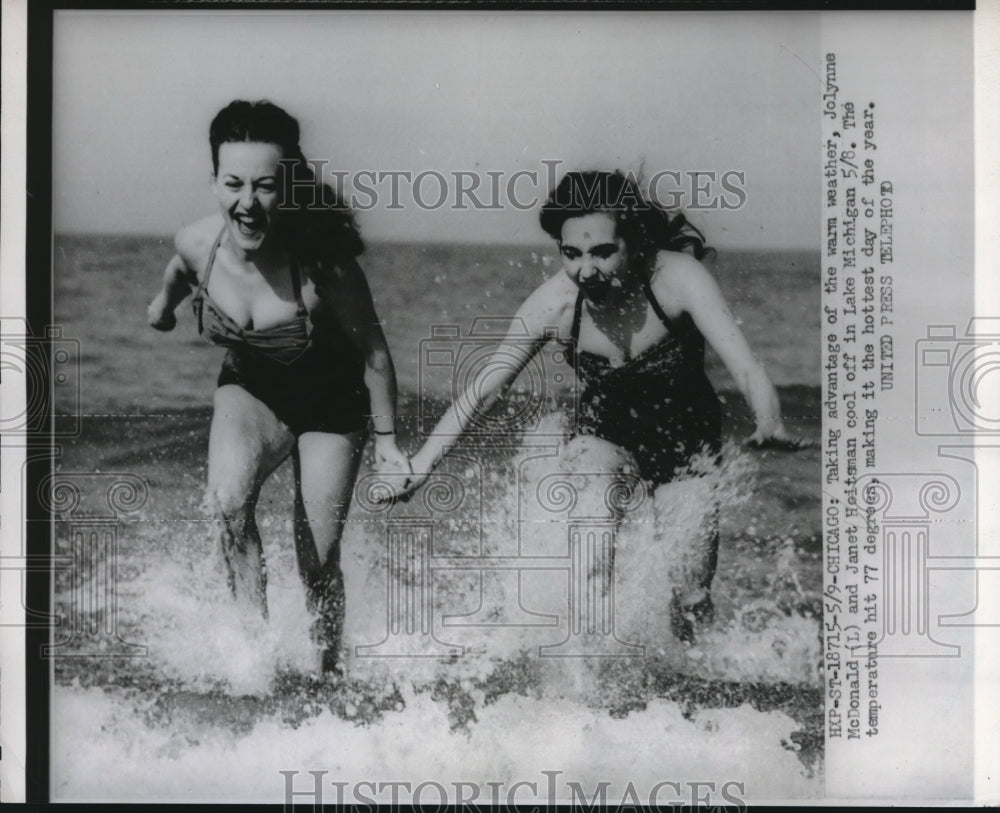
(444, 410)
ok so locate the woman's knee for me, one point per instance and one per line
(586, 454)
(326, 470)
(229, 503)
(245, 434)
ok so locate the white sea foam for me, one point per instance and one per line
(514, 740)
(497, 712)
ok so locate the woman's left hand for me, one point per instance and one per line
(390, 460)
(159, 314)
(400, 488)
(388, 456)
(777, 437)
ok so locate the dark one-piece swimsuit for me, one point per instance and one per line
(659, 405)
(312, 381)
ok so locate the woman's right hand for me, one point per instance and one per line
(402, 487)
(159, 314)
(775, 436)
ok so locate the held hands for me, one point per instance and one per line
(159, 314)
(775, 436)
(388, 456)
(389, 460)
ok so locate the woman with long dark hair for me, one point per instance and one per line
(635, 306)
(277, 283)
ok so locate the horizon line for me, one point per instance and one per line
(427, 241)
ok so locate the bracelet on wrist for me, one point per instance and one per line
(384, 434)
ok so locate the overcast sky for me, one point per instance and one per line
(465, 92)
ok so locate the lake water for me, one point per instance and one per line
(218, 704)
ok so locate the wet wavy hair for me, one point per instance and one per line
(322, 227)
(644, 225)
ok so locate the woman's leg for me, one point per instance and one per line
(246, 443)
(326, 466)
(691, 517)
(691, 521)
(606, 492)
(605, 464)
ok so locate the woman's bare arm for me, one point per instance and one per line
(526, 336)
(347, 294)
(693, 287)
(178, 280)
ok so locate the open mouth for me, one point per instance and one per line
(249, 226)
(597, 292)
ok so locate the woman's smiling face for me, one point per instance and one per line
(246, 185)
(594, 256)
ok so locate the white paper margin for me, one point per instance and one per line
(12, 261)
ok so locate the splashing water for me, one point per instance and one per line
(484, 675)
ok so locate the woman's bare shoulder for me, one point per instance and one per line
(554, 295)
(194, 241)
(549, 306)
(678, 275)
(558, 287)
